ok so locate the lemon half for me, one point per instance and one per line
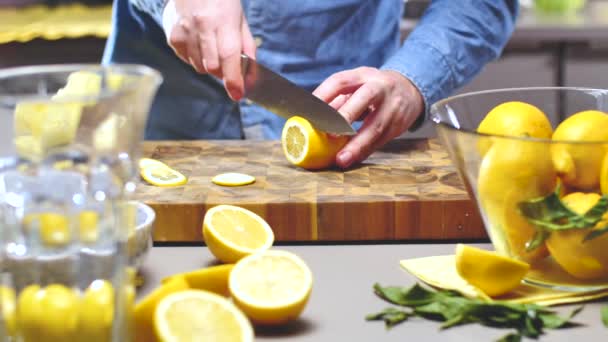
(196, 315)
(232, 232)
(271, 287)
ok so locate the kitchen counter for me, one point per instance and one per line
(342, 295)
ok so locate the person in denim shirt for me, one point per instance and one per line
(347, 52)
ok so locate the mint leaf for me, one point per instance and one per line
(605, 316)
(390, 316)
(453, 309)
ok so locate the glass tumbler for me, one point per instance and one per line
(69, 144)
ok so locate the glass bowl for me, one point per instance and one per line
(519, 183)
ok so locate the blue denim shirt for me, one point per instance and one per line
(306, 41)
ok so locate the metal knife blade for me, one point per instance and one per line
(277, 94)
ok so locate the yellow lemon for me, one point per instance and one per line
(8, 310)
(584, 260)
(144, 310)
(213, 279)
(60, 309)
(604, 176)
(490, 272)
(97, 312)
(307, 147)
(232, 232)
(30, 314)
(271, 287)
(514, 118)
(87, 223)
(512, 172)
(233, 179)
(54, 228)
(579, 164)
(196, 315)
(163, 176)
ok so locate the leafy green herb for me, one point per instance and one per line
(605, 316)
(453, 309)
(551, 214)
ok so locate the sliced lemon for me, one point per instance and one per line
(143, 313)
(271, 287)
(196, 315)
(213, 279)
(232, 232)
(490, 272)
(233, 179)
(307, 147)
(148, 162)
(163, 176)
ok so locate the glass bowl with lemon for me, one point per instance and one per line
(535, 160)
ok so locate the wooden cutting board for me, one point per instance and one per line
(408, 190)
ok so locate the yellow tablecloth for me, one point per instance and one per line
(69, 21)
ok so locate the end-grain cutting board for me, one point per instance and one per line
(408, 190)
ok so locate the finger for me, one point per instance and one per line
(229, 49)
(344, 82)
(177, 41)
(359, 102)
(339, 101)
(193, 48)
(367, 139)
(210, 57)
(249, 47)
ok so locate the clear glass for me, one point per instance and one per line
(501, 173)
(69, 142)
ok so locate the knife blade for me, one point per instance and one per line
(280, 96)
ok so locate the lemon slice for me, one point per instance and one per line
(233, 179)
(232, 233)
(196, 315)
(213, 279)
(163, 176)
(490, 272)
(307, 147)
(271, 287)
(148, 162)
(143, 313)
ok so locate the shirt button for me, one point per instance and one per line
(258, 41)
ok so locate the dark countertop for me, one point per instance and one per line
(342, 295)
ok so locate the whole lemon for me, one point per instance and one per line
(604, 175)
(511, 172)
(579, 165)
(516, 119)
(583, 260)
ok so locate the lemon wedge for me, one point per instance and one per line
(307, 147)
(490, 272)
(213, 279)
(232, 232)
(233, 179)
(271, 287)
(196, 315)
(163, 176)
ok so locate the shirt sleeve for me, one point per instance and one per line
(451, 43)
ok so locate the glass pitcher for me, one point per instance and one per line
(69, 144)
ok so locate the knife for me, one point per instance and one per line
(278, 95)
